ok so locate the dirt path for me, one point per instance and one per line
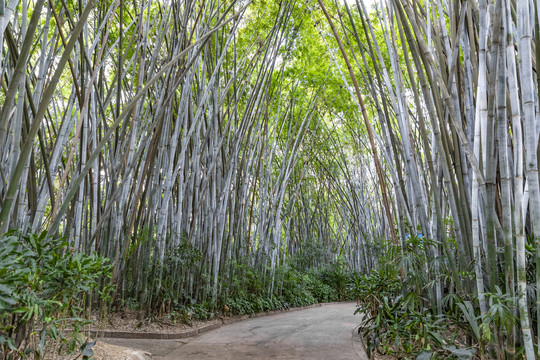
(318, 333)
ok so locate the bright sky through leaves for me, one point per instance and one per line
(367, 3)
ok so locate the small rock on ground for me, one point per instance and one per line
(104, 351)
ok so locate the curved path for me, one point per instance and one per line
(324, 332)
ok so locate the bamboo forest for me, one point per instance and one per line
(195, 160)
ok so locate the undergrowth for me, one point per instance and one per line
(47, 290)
(249, 292)
(44, 287)
(406, 319)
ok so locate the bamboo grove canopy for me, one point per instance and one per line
(254, 132)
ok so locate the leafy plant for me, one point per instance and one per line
(43, 286)
(399, 327)
(398, 319)
(247, 292)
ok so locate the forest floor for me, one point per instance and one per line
(130, 325)
(322, 332)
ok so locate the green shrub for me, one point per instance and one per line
(339, 279)
(43, 287)
(248, 291)
(322, 292)
(398, 318)
(400, 327)
(296, 289)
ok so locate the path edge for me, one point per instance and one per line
(358, 344)
(201, 330)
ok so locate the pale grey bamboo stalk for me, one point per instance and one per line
(48, 94)
(518, 189)
(403, 122)
(126, 111)
(506, 177)
(529, 120)
(19, 72)
(61, 140)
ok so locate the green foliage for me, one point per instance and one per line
(373, 287)
(296, 289)
(186, 313)
(395, 302)
(340, 280)
(182, 256)
(43, 287)
(248, 292)
(485, 329)
(159, 282)
(401, 327)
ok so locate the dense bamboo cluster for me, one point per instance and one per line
(164, 136)
(454, 93)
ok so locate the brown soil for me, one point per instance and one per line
(132, 321)
(377, 356)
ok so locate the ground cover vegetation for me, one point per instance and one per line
(195, 158)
